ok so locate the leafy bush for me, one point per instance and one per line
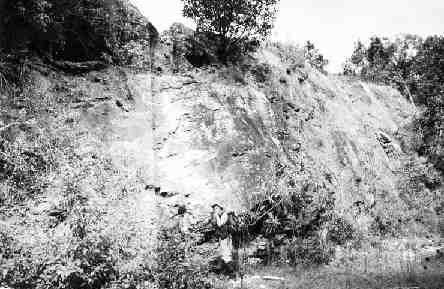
(6, 241)
(382, 226)
(308, 251)
(418, 183)
(292, 224)
(22, 170)
(93, 259)
(340, 231)
(173, 267)
(261, 72)
(200, 50)
(88, 254)
(289, 54)
(89, 263)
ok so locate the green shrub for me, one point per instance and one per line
(6, 241)
(22, 171)
(85, 264)
(340, 231)
(418, 183)
(291, 55)
(310, 250)
(292, 223)
(383, 225)
(261, 72)
(200, 50)
(94, 259)
(173, 267)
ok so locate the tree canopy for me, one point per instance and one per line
(236, 24)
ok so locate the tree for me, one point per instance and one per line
(356, 64)
(314, 57)
(235, 24)
(429, 91)
(386, 61)
(379, 52)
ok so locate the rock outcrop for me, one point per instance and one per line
(205, 136)
(181, 49)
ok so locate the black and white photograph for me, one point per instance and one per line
(221, 144)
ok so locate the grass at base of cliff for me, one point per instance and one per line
(406, 263)
(323, 278)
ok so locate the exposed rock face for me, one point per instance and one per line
(213, 140)
(203, 137)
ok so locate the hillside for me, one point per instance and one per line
(217, 139)
(82, 154)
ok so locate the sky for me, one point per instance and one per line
(332, 25)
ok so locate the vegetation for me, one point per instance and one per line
(52, 232)
(298, 227)
(73, 30)
(414, 66)
(79, 240)
(174, 269)
(429, 91)
(314, 57)
(234, 27)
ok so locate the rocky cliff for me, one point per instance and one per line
(213, 135)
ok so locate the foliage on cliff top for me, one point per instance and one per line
(73, 30)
